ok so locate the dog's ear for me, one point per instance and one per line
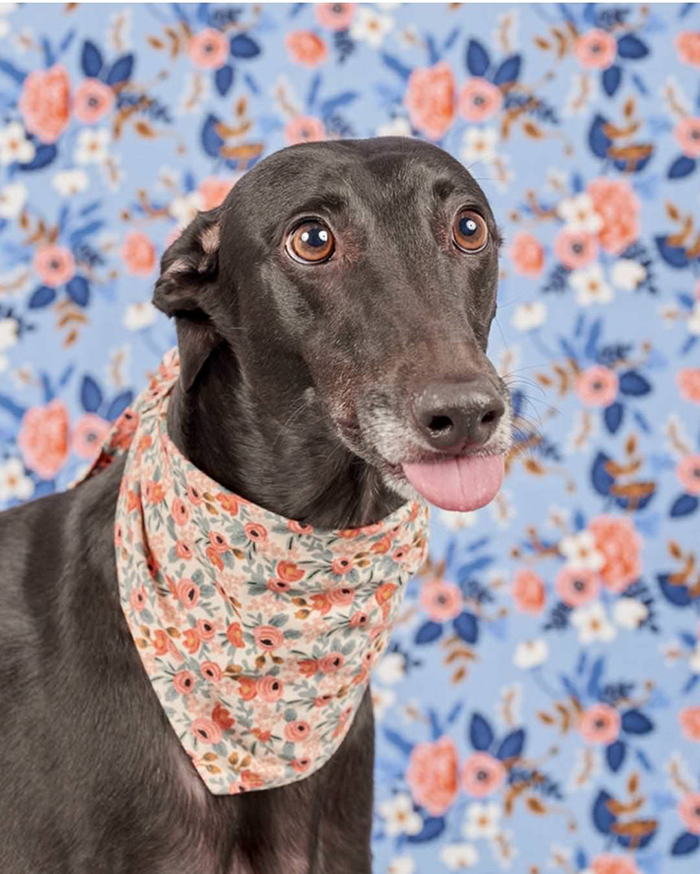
(189, 271)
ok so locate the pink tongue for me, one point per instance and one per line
(459, 483)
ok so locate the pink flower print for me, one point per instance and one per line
(597, 386)
(479, 99)
(432, 775)
(297, 730)
(441, 600)
(482, 775)
(576, 587)
(688, 473)
(184, 682)
(208, 49)
(268, 637)
(596, 49)
(206, 731)
(92, 100)
(54, 265)
(599, 724)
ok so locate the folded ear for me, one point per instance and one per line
(185, 288)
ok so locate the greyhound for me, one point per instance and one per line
(332, 318)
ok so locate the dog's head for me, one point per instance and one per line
(360, 275)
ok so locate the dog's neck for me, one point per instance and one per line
(274, 460)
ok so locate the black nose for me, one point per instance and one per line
(458, 414)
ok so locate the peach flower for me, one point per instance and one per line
(55, 265)
(270, 688)
(268, 637)
(206, 731)
(304, 129)
(138, 253)
(208, 49)
(618, 206)
(184, 682)
(688, 47)
(596, 49)
(92, 101)
(137, 598)
(599, 724)
(341, 566)
(607, 863)
(597, 386)
(576, 587)
(188, 592)
(234, 634)
(331, 663)
(689, 718)
(430, 99)
(688, 472)
(221, 716)
(688, 382)
(304, 47)
(45, 103)
(213, 191)
(527, 255)
(432, 775)
(483, 774)
(89, 433)
(296, 731)
(687, 134)
(479, 99)
(211, 671)
(43, 438)
(620, 545)
(528, 591)
(689, 811)
(575, 249)
(335, 16)
(441, 600)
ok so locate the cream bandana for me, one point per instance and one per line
(257, 633)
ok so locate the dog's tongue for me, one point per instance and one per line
(458, 483)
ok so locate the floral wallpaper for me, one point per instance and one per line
(539, 708)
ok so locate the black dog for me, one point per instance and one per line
(332, 318)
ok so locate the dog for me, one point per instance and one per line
(332, 318)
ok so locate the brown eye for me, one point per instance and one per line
(469, 231)
(311, 242)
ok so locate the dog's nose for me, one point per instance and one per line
(464, 414)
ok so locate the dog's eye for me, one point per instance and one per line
(469, 231)
(311, 242)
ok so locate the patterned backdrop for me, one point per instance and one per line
(539, 708)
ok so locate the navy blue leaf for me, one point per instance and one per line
(603, 819)
(394, 64)
(593, 336)
(400, 743)
(433, 827)
(42, 297)
(612, 416)
(581, 857)
(49, 56)
(633, 383)
(313, 90)
(433, 53)
(44, 155)
(466, 571)
(467, 627)
(211, 141)
(454, 713)
(477, 58)
(615, 755)
(600, 478)
(119, 404)
(678, 595)
(11, 407)
(683, 506)
(598, 140)
(242, 46)
(511, 745)
(66, 41)
(508, 70)
(635, 722)
(674, 256)
(428, 632)
(223, 79)
(685, 843)
(90, 395)
(631, 47)
(79, 235)
(329, 106)
(611, 79)
(91, 59)
(10, 70)
(451, 39)
(480, 733)
(79, 290)
(682, 166)
(597, 671)
(121, 70)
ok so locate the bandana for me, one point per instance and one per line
(258, 633)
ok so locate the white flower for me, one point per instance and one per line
(579, 215)
(478, 144)
(8, 333)
(400, 816)
(371, 26)
(592, 623)
(590, 285)
(402, 865)
(531, 653)
(629, 613)
(185, 208)
(12, 199)
(482, 820)
(694, 661)
(14, 483)
(92, 145)
(627, 274)
(382, 700)
(527, 316)
(69, 182)
(14, 145)
(455, 520)
(391, 669)
(457, 857)
(397, 127)
(139, 315)
(580, 550)
(694, 320)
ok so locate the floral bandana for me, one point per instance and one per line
(258, 633)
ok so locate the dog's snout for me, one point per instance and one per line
(458, 414)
